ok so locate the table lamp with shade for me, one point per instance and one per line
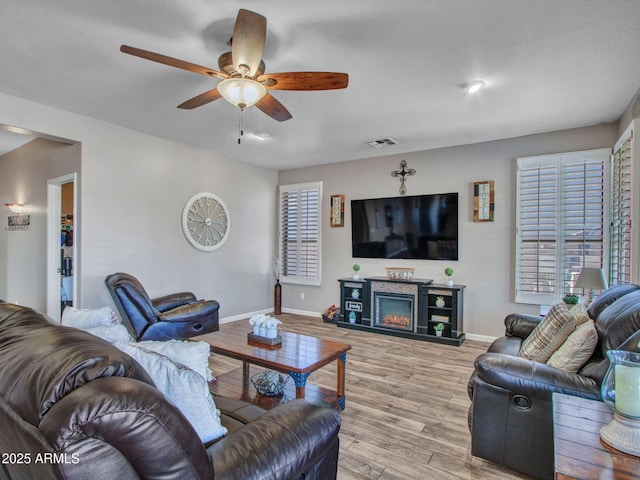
(591, 279)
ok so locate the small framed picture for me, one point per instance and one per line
(337, 210)
(483, 201)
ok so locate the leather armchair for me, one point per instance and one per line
(511, 414)
(175, 316)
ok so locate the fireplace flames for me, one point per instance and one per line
(396, 321)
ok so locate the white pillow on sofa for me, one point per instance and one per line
(182, 387)
(104, 323)
(194, 355)
(111, 333)
(88, 318)
(101, 322)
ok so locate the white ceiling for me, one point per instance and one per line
(10, 141)
(548, 65)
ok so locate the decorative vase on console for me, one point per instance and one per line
(449, 273)
(356, 269)
(438, 329)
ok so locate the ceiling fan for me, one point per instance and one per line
(244, 82)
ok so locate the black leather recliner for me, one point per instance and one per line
(511, 415)
(175, 316)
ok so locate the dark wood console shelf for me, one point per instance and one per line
(405, 308)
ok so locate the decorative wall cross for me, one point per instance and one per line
(403, 172)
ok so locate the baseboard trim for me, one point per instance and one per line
(302, 312)
(306, 313)
(480, 338)
(244, 316)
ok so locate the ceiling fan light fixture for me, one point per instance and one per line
(473, 87)
(241, 92)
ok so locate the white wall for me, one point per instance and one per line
(23, 179)
(132, 191)
(486, 249)
(632, 111)
(133, 188)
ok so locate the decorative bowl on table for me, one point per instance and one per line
(398, 273)
(269, 383)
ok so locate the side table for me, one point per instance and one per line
(579, 453)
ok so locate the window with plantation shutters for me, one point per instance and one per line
(300, 214)
(621, 208)
(560, 214)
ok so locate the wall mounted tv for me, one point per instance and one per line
(421, 227)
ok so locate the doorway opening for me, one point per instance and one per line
(62, 244)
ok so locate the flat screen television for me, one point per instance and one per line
(421, 227)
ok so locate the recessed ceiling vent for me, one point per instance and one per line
(382, 142)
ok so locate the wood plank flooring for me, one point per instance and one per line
(406, 408)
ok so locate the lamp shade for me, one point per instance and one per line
(242, 92)
(591, 278)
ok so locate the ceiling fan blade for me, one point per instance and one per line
(172, 62)
(304, 80)
(201, 99)
(273, 108)
(247, 45)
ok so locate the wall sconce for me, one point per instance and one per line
(18, 221)
(15, 207)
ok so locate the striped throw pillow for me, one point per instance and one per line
(549, 335)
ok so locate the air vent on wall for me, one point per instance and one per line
(382, 142)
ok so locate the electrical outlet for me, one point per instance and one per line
(301, 295)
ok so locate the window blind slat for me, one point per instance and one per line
(620, 229)
(560, 215)
(300, 232)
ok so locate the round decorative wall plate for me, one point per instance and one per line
(206, 221)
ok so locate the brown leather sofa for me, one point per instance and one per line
(73, 406)
(511, 415)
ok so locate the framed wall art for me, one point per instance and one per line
(483, 201)
(337, 210)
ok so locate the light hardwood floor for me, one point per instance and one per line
(406, 408)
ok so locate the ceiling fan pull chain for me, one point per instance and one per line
(240, 125)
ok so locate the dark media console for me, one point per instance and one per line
(415, 309)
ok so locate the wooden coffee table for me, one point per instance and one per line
(579, 452)
(297, 356)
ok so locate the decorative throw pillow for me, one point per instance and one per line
(88, 318)
(579, 311)
(111, 333)
(182, 387)
(549, 334)
(194, 355)
(577, 349)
